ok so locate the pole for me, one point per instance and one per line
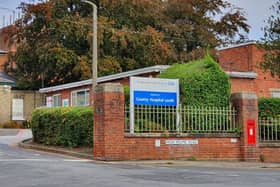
(94, 47)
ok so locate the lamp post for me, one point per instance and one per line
(94, 45)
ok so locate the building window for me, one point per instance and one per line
(275, 93)
(80, 98)
(56, 100)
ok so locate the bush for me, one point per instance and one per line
(69, 127)
(202, 83)
(269, 107)
(126, 95)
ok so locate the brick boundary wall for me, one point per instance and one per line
(270, 152)
(112, 143)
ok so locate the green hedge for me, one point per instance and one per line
(69, 127)
(202, 82)
(269, 107)
(127, 95)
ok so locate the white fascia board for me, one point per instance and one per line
(65, 86)
(247, 75)
(236, 45)
(158, 68)
(3, 52)
(151, 69)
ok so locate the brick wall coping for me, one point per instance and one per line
(109, 87)
(243, 95)
(181, 135)
(269, 144)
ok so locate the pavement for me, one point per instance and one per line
(28, 168)
(27, 134)
(202, 164)
(14, 136)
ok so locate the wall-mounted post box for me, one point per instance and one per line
(251, 132)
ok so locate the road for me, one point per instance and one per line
(24, 168)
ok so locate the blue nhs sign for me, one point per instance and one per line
(155, 98)
(154, 91)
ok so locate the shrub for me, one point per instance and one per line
(202, 82)
(269, 107)
(69, 127)
(126, 95)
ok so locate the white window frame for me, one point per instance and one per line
(82, 90)
(56, 95)
(17, 109)
(275, 93)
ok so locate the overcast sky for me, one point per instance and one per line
(256, 11)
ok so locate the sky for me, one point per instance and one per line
(256, 12)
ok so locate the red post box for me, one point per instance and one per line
(251, 132)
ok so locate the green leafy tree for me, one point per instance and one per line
(198, 24)
(52, 48)
(54, 37)
(271, 43)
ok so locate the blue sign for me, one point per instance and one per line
(155, 98)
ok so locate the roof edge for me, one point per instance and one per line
(237, 45)
(157, 68)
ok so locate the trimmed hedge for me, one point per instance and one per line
(69, 127)
(269, 107)
(202, 82)
(126, 95)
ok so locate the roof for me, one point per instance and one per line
(6, 79)
(158, 68)
(237, 45)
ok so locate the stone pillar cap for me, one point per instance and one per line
(109, 87)
(244, 95)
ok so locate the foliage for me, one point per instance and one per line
(202, 82)
(69, 127)
(187, 25)
(10, 125)
(269, 114)
(126, 95)
(50, 50)
(196, 24)
(269, 107)
(54, 37)
(271, 43)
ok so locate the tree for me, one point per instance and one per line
(51, 50)
(271, 43)
(195, 24)
(54, 37)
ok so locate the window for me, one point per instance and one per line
(275, 93)
(80, 98)
(17, 110)
(56, 100)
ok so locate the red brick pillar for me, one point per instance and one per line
(246, 105)
(108, 121)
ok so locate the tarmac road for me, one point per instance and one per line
(24, 168)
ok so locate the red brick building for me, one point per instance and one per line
(78, 93)
(241, 63)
